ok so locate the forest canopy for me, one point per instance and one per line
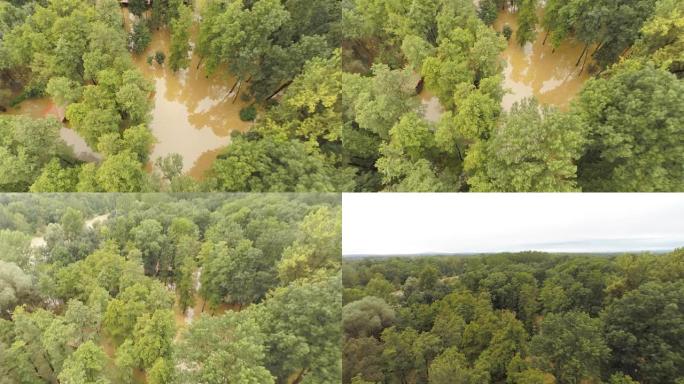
(163, 288)
(606, 140)
(334, 95)
(518, 318)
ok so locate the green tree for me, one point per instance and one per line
(63, 91)
(527, 20)
(270, 165)
(451, 367)
(56, 178)
(310, 350)
(571, 346)
(488, 11)
(250, 275)
(367, 317)
(140, 37)
(149, 238)
(224, 348)
(118, 173)
(152, 338)
(619, 157)
(398, 352)
(661, 38)
(180, 44)
(15, 286)
(317, 246)
(85, 365)
(162, 372)
(642, 329)
(137, 7)
(15, 247)
(26, 146)
(534, 149)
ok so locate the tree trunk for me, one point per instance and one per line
(597, 48)
(581, 55)
(237, 92)
(203, 304)
(199, 62)
(299, 377)
(458, 150)
(287, 84)
(545, 36)
(233, 87)
(583, 63)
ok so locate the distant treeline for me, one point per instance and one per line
(516, 318)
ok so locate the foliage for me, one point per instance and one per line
(619, 156)
(534, 149)
(110, 287)
(519, 318)
(180, 30)
(140, 37)
(248, 113)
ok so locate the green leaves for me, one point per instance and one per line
(534, 149)
(636, 120)
(180, 44)
(228, 348)
(26, 146)
(571, 346)
(643, 330)
(86, 365)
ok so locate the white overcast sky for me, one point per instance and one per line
(397, 223)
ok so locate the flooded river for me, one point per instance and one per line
(432, 108)
(536, 70)
(44, 107)
(533, 70)
(193, 114)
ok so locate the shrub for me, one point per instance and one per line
(507, 31)
(159, 56)
(248, 113)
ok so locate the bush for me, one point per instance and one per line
(159, 56)
(140, 37)
(488, 11)
(248, 113)
(507, 32)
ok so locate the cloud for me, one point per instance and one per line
(468, 223)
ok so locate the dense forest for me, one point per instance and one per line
(516, 318)
(157, 288)
(333, 84)
(623, 132)
(79, 54)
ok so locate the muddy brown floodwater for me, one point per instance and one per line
(432, 108)
(193, 114)
(537, 70)
(44, 107)
(533, 70)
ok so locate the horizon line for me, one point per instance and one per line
(471, 253)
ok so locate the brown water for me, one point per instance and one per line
(193, 114)
(533, 70)
(44, 107)
(536, 70)
(432, 108)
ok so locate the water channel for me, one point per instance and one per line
(535, 69)
(193, 114)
